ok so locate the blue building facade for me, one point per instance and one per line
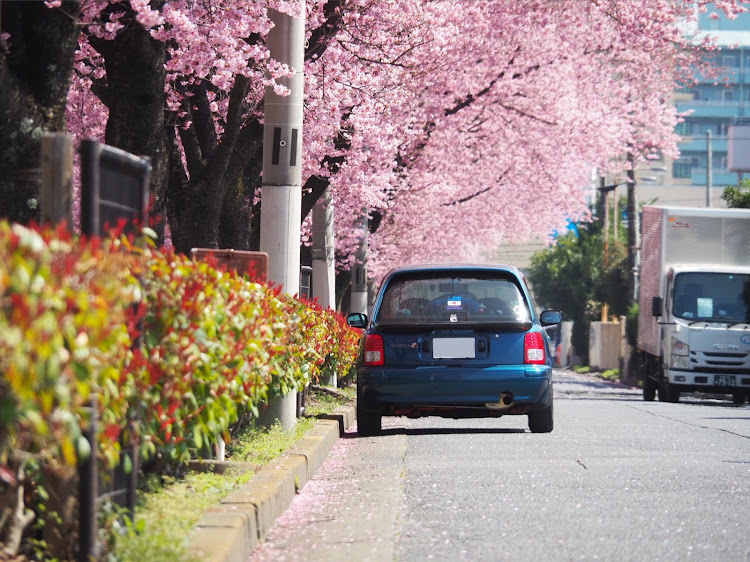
(714, 104)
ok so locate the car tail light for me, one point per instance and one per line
(373, 349)
(533, 349)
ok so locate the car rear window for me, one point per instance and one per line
(445, 298)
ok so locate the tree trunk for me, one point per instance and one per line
(35, 70)
(194, 219)
(135, 97)
(237, 226)
(234, 227)
(14, 517)
(60, 536)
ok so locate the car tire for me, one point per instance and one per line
(541, 421)
(368, 424)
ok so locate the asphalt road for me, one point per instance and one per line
(618, 479)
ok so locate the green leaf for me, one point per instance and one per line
(83, 448)
(127, 463)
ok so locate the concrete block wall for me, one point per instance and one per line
(605, 341)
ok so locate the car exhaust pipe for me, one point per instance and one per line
(506, 401)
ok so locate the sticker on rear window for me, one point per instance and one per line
(454, 303)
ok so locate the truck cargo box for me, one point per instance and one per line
(685, 236)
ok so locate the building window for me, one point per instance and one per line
(728, 95)
(729, 60)
(697, 94)
(685, 129)
(681, 170)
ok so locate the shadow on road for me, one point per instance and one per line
(441, 431)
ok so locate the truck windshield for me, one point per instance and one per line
(722, 297)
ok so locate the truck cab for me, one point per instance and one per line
(705, 322)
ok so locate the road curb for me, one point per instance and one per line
(228, 531)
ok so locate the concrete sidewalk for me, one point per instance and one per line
(229, 531)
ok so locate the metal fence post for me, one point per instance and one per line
(88, 490)
(56, 192)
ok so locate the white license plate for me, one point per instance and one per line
(453, 348)
(725, 380)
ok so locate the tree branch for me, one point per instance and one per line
(321, 36)
(220, 161)
(203, 120)
(478, 193)
(191, 146)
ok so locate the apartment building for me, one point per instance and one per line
(715, 104)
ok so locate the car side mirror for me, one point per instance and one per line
(549, 317)
(657, 306)
(357, 320)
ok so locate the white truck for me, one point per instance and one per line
(694, 302)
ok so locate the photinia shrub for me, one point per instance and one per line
(212, 344)
(65, 311)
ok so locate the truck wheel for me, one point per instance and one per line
(649, 389)
(739, 397)
(668, 393)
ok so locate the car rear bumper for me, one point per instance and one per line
(455, 391)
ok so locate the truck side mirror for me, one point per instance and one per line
(657, 306)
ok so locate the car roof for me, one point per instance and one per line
(426, 267)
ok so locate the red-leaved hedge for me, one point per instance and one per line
(213, 343)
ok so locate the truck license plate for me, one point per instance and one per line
(725, 380)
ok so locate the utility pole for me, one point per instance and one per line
(359, 270)
(605, 196)
(709, 167)
(281, 199)
(323, 262)
(632, 225)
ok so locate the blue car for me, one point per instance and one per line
(457, 341)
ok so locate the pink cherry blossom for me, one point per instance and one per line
(461, 127)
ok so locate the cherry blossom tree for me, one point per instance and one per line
(37, 47)
(456, 125)
(536, 94)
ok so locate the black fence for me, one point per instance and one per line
(114, 193)
(114, 188)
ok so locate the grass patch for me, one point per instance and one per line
(261, 445)
(168, 507)
(166, 512)
(611, 374)
(322, 403)
(582, 369)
